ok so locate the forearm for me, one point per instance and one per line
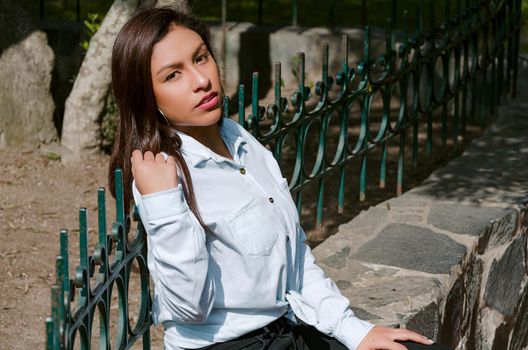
(329, 309)
(178, 258)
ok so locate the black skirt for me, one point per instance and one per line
(281, 334)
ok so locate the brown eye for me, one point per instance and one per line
(202, 58)
(172, 76)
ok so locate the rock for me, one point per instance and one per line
(500, 342)
(503, 288)
(425, 321)
(26, 66)
(337, 260)
(501, 231)
(472, 285)
(519, 338)
(451, 330)
(364, 315)
(413, 248)
(463, 219)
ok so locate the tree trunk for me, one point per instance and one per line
(81, 131)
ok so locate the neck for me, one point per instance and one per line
(209, 136)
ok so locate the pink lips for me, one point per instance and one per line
(209, 101)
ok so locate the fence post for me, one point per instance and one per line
(363, 13)
(260, 5)
(294, 13)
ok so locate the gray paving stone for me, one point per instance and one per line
(505, 278)
(364, 315)
(337, 260)
(343, 284)
(382, 290)
(413, 248)
(463, 219)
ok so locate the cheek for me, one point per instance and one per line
(168, 95)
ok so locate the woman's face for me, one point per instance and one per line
(185, 79)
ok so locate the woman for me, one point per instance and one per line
(225, 248)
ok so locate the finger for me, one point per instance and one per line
(412, 336)
(148, 155)
(390, 345)
(137, 155)
(171, 160)
(160, 158)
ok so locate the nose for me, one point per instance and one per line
(200, 79)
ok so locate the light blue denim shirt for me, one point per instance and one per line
(252, 268)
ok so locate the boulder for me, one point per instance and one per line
(26, 66)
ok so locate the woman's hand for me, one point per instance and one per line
(385, 338)
(153, 174)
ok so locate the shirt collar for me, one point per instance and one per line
(198, 153)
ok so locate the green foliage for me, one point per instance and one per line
(91, 25)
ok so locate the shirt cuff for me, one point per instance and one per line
(163, 204)
(351, 331)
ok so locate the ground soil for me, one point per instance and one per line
(40, 195)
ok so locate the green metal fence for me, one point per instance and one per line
(467, 63)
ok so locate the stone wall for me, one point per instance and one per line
(249, 48)
(450, 257)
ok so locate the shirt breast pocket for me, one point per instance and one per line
(253, 227)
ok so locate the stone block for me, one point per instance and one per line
(337, 260)
(412, 248)
(425, 321)
(519, 337)
(500, 231)
(503, 287)
(451, 329)
(463, 219)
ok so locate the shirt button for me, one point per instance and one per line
(242, 171)
(271, 199)
(287, 238)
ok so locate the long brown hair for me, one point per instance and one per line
(141, 125)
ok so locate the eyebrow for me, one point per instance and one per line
(177, 65)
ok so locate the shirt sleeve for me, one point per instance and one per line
(177, 257)
(319, 302)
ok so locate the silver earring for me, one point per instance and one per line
(163, 115)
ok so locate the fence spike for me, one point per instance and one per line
(344, 53)
(325, 62)
(241, 111)
(120, 202)
(254, 99)
(65, 259)
(49, 334)
(55, 315)
(225, 107)
(300, 72)
(83, 237)
(101, 215)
